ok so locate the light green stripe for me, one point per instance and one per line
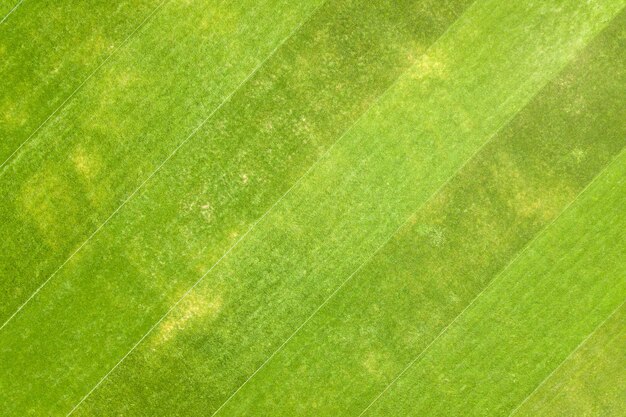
(562, 287)
(47, 49)
(258, 145)
(396, 305)
(591, 382)
(123, 124)
(371, 181)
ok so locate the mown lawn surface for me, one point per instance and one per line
(320, 208)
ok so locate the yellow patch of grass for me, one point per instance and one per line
(85, 163)
(194, 306)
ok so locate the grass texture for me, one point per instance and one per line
(312, 208)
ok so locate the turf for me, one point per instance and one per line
(489, 366)
(461, 239)
(277, 212)
(61, 201)
(7, 7)
(46, 52)
(222, 202)
(590, 382)
(122, 125)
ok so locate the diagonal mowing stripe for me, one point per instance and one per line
(153, 173)
(590, 382)
(305, 49)
(537, 313)
(580, 345)
(120, 46)
(374, 253)
(104, 142)
(489, 285)
(230, 249)
(295, 353)
(365, 262)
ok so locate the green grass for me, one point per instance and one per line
(451, 249)
(591, 381)
(47, 51)
(277, 208)
(122, 125)
(7, 7)
(313, 88)
(560, 289)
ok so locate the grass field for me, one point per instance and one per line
(313, 208)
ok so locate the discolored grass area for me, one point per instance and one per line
(47, 51)
(313, 208)
(523, 326)
(123, 125)
(451, 248)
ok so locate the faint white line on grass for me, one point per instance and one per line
(491, 283)
(567, 358)
(124, 42)
(295, 184)
(193, 132)
(373, 253)
(313, 12)
(261, 218)
(11, 11)
(365, 262)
